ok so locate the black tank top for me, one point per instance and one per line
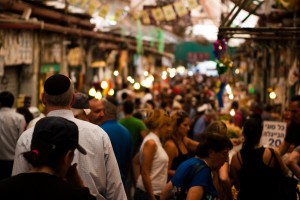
(180, 158)
(257, 179)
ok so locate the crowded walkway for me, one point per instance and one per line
(144, 152)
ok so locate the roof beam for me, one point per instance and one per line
(19, 6)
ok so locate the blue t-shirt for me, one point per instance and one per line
(202, 178)
(199, 128)
(121, 142)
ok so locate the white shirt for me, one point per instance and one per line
(159, 169)
(120, 92)
(12, 124)
(145, 98)
(34, 121)
(98, 169)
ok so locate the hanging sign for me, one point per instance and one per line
(158, 14)
(118, 14)
(169, 12)
(273, 133)
(91, 9)
(180, 9)
(145, 17)
(104, 10)
(136, 15)
(83, 3)
(73, 2)
(192, 4)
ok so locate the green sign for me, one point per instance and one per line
(45, 68)
(192, 52)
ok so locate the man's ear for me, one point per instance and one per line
(73, 100)
(43, 98)
(69, 157)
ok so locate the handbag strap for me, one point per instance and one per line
(191, 173)
(276, 159)
(297, 189)
(273, 155)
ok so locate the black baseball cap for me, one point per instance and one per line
(55, 133)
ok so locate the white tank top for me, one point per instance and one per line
(159, 170)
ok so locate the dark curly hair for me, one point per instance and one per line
(212, 142)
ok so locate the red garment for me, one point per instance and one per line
(238, 118)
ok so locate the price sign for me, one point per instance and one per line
(273, 133)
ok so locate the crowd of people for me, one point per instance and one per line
(171, 145)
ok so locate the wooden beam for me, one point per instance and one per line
(19, 6)
(8, 22)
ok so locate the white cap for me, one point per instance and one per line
(87, 111)
(178, 97)
(202, 108)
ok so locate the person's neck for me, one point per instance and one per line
(178, 138)
(207, 161)
(52, 108)
(128, 115)
(109, 119)
(156, 132)
(44, 169)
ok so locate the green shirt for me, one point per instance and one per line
(135, 126)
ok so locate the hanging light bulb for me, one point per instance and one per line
(92, 92)
(116, 73)
(272, 95)
(232, 112)
(98, 95)
(104, 84)
(136, 86)
(111, 92)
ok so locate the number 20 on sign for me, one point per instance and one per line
(273, 133)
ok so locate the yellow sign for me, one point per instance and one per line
(73, 2)
(169, 12)
(118, 14)
(180, 9)
(91, 9)
(158, 14)
(192, 3)
(104, 10)
(145, 17)
(83, 3)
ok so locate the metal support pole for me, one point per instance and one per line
(252, 11)
(243, 5)
(230, 13)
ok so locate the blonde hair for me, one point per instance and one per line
(156, 118)
(217, 127)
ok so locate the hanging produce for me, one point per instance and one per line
(223, 60)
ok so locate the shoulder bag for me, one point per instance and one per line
(287, 185)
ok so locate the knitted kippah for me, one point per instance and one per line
(57, 84)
